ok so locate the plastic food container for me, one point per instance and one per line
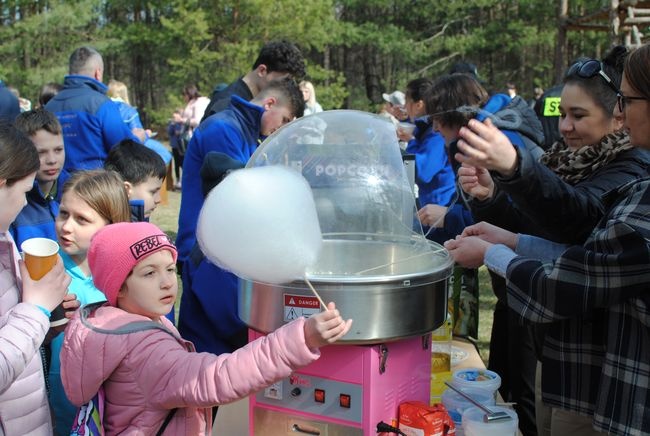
(473, 424)
(456, 404)
(476, 378)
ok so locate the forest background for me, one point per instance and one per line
(355, 49)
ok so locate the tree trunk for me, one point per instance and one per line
(560, 48)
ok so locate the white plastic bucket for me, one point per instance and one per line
(473, 424)
(456, 404)
(476, 378)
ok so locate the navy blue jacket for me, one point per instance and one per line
(36, 219)
(91, 122)
(536, 201)
(208, 313)
(221, 99)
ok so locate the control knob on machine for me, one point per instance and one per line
(295, 392)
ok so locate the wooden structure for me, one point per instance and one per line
(622, 19)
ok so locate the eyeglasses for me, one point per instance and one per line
(591, 68)
(623, 100)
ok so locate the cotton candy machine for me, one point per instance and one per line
(376, 265)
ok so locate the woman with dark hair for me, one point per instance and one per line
(195, 105)
(451, 102)
(557, 197)
(434, 176)
(593, 297)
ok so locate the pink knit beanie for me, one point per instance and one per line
(117, 248)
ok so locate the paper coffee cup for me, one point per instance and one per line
(40, 256)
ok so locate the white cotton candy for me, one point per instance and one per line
(261, 224)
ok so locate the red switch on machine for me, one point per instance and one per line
(319, 395)
(344, 401)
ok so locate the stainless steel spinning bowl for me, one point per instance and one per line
(405, 297)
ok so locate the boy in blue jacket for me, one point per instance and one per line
(143, 171)
(208, 310)
(235, 131)
(36, 220)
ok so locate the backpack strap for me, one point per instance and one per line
(166, 422)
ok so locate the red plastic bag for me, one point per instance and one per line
(419, 419)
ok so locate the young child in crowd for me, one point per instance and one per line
(25, 304)
(178, 142)
(91, 200)
(147, 369)
(143, 171)
(37, 217)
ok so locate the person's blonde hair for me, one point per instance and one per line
(117, 89)
(312, 93)
(104, 191)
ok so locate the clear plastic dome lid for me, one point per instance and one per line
(353, 163)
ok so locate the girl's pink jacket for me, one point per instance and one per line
(148, 373)
(24, 408)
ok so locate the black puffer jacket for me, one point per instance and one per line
(537, 202)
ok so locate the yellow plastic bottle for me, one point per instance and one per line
(440, 359)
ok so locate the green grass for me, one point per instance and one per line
(166, 217)
(486, 303)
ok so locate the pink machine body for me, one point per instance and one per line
(347, 391)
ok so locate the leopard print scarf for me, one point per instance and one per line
(575, 166)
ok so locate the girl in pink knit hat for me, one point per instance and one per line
(151, 376)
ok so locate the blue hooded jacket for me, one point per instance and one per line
(208, 309)
(434, 175)
(91, 122)
(234, 131)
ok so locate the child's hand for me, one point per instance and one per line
(48, 292)
(325, 328)
(70, 304)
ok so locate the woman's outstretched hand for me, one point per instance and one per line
(468, 252)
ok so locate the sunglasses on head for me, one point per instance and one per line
(591, 68)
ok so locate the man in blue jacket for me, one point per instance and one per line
(276, 60)
(9, 105)
(208, 311)
(91, 121)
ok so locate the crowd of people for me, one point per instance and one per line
(549, 195)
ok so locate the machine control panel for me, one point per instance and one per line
(315, 395)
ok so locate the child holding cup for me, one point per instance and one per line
(90, 201)
(25, 304)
